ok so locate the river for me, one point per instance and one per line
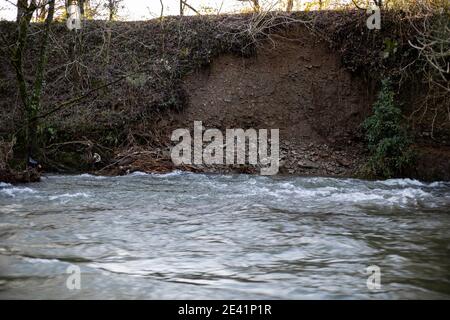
(198, 236)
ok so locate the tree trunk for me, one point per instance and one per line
(24, 15)
(256, 6)
(22, 6)
(111, 10)
(35, 100)
(289, 5)
(31, 101)
(81, 6)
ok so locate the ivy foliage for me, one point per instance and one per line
(388, 141)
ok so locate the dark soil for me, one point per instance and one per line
(26, 176)
(295, 84)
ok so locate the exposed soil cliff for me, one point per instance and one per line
(295, 84)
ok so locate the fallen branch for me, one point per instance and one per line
(78, 99)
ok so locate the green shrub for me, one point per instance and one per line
(388, 141)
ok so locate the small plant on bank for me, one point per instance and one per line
(388, 141)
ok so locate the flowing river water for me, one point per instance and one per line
(196, 236)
